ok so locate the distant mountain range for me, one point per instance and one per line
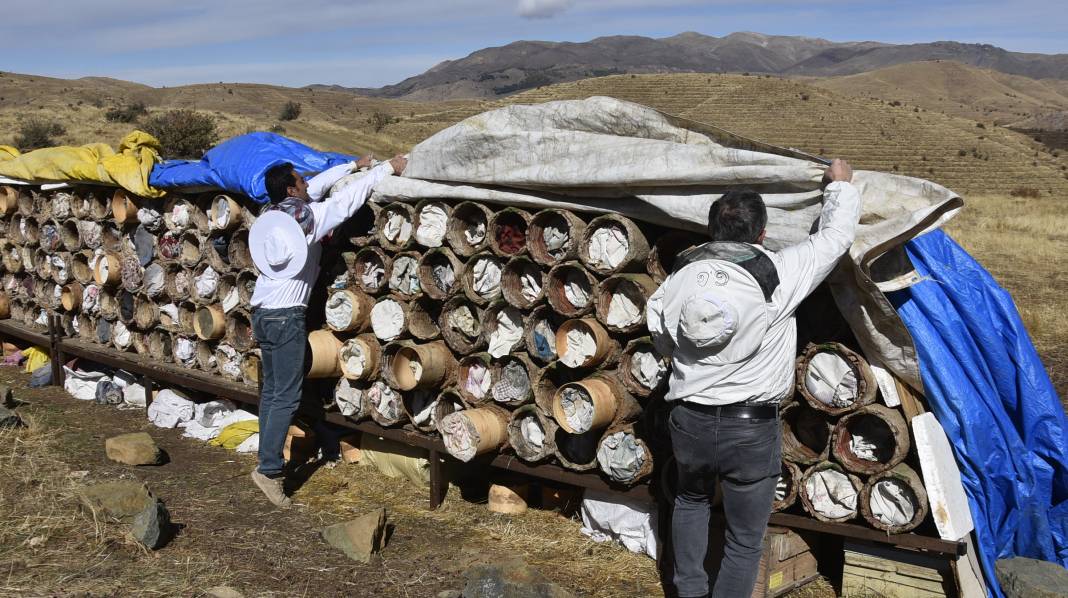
(495, 72)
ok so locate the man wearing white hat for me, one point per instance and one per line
(284, 242)
(725, 317)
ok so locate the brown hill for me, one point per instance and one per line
(339, 121)
(960, 90)
(501, 71)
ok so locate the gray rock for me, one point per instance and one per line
(7, 398)
(122, 500)
(450, 594)
(223, 592)
(136, 448)
(359, 538)
(512, 578)
(152, 526)
(1031, 578)
(10, 419)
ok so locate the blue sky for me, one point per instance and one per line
(377, 42)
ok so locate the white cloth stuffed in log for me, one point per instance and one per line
(870, 438)
(221, 209)
(121, 335)
(207, 282)
(170, 408)
(405, 276)
(422, 407)
(478, 382)
(91, 233)
(353, 358)
(831, 380)
(387, 319)
(386, 401)
(459, 436)
(463, 320)
(610, 156)
(398, 228)
(507, 334)
(781, 488)
(151, 218)
(155, 277)
(486, 277)
(228, 360)
(832, 494)
(608, 247)
(892, 502)
(475, 232)
(623, 310)
(432, 220)
(180, 217)
(647, 368)
(339, 311)
(230, 300)
(168, 314)
(372, 274)
(578, 408)
(580, 346)
(349, 398)
(91, 299)
(185, 350)
(61, 205)
(556, 239)
(512, 384)
(577, 289)
(532, 432)
(530, 283)
(620, 456)
(444, 276)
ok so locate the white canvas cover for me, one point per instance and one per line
(606, 155)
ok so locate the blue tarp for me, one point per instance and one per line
(239, 164)
(985, 383)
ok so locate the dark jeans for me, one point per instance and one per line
(282, 337)
(745, 454)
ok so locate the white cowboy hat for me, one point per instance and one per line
(278, 245)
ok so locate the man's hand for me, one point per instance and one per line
(840, 170)
(365, 162)
(398, 163)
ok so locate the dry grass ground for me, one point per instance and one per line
(1023, 243)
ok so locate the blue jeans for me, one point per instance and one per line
(745, 454)
(282, 337)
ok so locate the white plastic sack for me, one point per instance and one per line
(892, 502)
(832, 494)
(339, 311)
(633, 524)
(620, 456)
(81, 384)
(348, 398)
(831, 380)
(170, 408)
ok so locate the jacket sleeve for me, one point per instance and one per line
(319, 184)
(804, 266)
(654, 319)
(339, 207)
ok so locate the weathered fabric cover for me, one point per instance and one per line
(607, 155)
(96, 163)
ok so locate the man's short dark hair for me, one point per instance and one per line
(738, 215)
(278, 181)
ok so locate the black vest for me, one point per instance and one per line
(743, 255)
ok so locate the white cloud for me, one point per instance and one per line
(543, 9)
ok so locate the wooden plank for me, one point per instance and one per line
(911, 403)
(849, 530)
(24, 333)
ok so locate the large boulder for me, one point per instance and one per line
(122, 500)
(152, 526)
(1031, 578)
(359, 538)
(136, 448)
(513, 578)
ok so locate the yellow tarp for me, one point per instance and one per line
(233, 435)
(35, 358)
(8, 153)
(94, 163)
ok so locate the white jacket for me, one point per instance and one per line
(757, 364)
(272, 293)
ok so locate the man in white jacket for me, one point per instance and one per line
(725, 317)
(282, 292)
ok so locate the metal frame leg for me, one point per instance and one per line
(438, 485)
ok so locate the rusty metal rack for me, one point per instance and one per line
(153, 372)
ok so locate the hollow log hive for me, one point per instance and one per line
(500, 329)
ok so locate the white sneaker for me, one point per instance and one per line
(272, 489)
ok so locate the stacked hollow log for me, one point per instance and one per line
(499, 329)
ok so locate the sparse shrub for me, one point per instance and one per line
(379, 120)
(290, 111)
(895, 103)
(278, 129)
(1025, 192)
(980, 126)
(36, 133)
(182, 133)
(804, 97)
(962, 153)
(127, 113)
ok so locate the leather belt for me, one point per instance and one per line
(736, 411)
